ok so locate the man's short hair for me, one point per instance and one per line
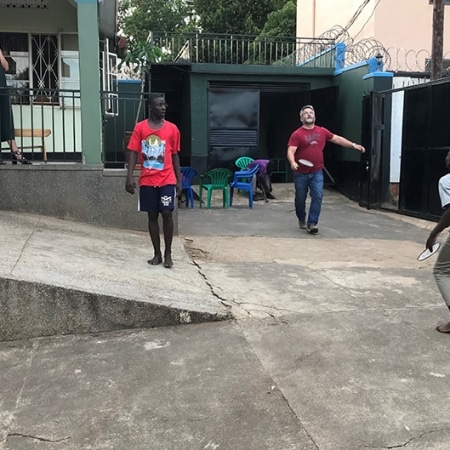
(153, 96)
(306, 107)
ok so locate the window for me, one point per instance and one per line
(447, 2)
(41, 63)
(44, 67)
(108, 71)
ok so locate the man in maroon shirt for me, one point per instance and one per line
(305, 155)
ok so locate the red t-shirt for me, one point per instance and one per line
(310, 144)
(155, 148)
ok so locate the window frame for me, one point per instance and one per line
(34, 96)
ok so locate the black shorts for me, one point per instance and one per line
(157, 198)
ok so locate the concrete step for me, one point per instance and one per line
(61, 277)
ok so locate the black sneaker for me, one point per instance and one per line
(302, 224)
(312, 229)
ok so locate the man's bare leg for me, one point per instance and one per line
(153, 229)
(167, 216)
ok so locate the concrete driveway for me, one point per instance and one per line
(332, 346)
(343, 321)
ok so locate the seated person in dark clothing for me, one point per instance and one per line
(263, 178)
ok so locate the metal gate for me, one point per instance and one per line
(372, 176)
(407, 136)
(425, 143)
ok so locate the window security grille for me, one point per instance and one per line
(45, 66)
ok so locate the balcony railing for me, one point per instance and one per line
(47, 123)
(244, 49)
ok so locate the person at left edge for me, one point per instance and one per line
(6, 114)
(156, 142)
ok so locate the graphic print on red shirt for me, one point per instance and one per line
(310, 144)
(155, 149)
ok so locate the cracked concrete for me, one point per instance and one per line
(333, 346)
(343, 321)
(37, 438)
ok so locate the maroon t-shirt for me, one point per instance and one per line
(310, 144)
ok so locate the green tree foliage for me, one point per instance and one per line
(282, 22)
(138, 17)
(237, 16)
(141, 56)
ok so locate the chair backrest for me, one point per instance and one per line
(187, 173)
(246, 174)
(243, 162)
(219, 177)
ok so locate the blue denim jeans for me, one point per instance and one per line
(313, 182)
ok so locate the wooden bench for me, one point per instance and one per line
(36, 133)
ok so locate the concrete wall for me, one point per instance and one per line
(88, 194)
(203, 74)
(352, 88)
(29, 309)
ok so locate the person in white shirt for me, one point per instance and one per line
(441, 270)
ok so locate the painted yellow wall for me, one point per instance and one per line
(60, 17)
(317, 16)
(396, 24)
(64, 124)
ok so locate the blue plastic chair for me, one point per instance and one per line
(242, 180)
(187, 173)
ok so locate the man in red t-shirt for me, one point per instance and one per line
(156, 142)
(305, 155)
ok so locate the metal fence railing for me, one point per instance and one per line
(241, 49)
(46, 122)
(120, 113)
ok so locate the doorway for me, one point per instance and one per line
(256, 120)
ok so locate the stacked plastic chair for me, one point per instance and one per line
(187, 174)
(243, 181)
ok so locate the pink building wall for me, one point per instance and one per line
(397, 24)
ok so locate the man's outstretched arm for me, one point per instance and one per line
(339, 140)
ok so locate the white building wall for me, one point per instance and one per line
(397, 123)
(396, 135)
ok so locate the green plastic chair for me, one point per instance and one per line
(243, 162)
(213, 180)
